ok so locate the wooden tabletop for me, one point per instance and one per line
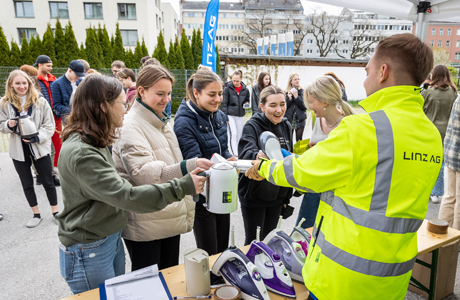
(175, 276)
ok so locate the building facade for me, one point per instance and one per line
(445, 35)
(230, 24)
(137, 18)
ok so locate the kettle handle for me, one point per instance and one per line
(196, 197)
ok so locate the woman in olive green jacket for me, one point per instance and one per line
(439, 99)
(95, 197)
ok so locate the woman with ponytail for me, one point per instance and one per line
(324, 97)
(201, 129)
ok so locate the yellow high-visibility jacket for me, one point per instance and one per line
(376, 172)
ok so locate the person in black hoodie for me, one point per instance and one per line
(296, 111)
(235, 101)
(261, 201)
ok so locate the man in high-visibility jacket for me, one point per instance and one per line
(375, 172)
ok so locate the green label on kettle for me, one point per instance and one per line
(227, 197)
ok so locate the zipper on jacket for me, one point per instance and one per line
(212, 128)
(317, 231)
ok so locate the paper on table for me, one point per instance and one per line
(142, 284)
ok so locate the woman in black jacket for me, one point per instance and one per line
(236, 101)
(296, 111)
(261, 201)
(263, 81)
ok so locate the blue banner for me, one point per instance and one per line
(209, 55)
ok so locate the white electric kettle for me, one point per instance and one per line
(26, 127)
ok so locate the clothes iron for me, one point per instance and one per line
(291, 252)
(271, 268)
(270, 145)
(238, 270)
(301, 236)
(26, 127)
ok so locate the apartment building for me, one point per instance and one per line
(230, 25)
(137, 18)
(445, 35)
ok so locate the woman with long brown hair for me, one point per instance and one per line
(439, 99)
(22, 99)
(148, 152)
(263, 81)
(95, 197)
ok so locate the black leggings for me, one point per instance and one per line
(298, 133)
(265, 217)
(164, 252)
(43, 167)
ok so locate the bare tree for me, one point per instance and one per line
(326, 30)
(258, 26)
(363, 40)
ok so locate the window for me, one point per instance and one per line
(345, 51)
(457, 44)
(27, 32)
(345, 41)
(241, 50)
(439, 43)
(441, 31)
(447, 43)
(458, 31)
(449, 31)
(59, 10)
(406, 27)
(93, 11)
(296, 31)
(158, 24)
(309, 41)
(191, 15)
(457, 56)
(24, 9)
(431, 43)
(126, 11)
(236, 16)
(433, 31)
(308, 51)
(202, 15)
(129, 37)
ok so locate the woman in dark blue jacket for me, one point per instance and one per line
(262, 201)
(201, 129)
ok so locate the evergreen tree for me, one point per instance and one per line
(145, 51)
(36, 46)
(104, 42)
(4, 49)
(138, 54)
(199, 49)
(180, 63)
(98, 35)
(160, 51)
(48, 44)
(82, 52)
(217, 61)
(118, 48)
(193, 44)
(112, 41)
(186, 52)
(59, 46)
(71, 45)
(172, 57)
(26, 57)
(15, 55)
(92, 48)
(130, 61)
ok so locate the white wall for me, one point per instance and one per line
(352, 77)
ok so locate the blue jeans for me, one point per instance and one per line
(85, 266)
(308, 209)
(438, 189)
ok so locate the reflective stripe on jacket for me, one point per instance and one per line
(376, 172)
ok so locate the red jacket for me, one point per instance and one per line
(45, 87)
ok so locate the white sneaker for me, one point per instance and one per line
(33, 222)
(434, 199)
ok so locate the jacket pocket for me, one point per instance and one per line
(66, 262)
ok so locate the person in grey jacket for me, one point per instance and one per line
(263, 81)
(22, 99)
(235, 101)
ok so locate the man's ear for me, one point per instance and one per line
(384, 73)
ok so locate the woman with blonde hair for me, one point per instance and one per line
(261, 201)
(324, 97)
(296, 112)
(22, 99)
(201, 130)
(439, 99)
(148, 152)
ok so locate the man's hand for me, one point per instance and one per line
(253, 172)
